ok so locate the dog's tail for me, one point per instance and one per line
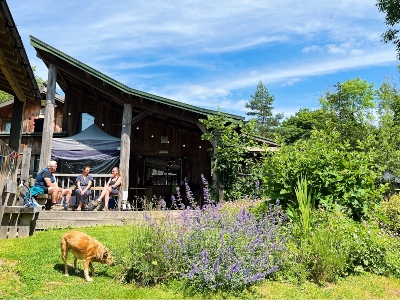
(64, 249)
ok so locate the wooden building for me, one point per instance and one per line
(161, 143)
(32, 124)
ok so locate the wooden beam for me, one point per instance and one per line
(26, 164)
(204, 130)
(8, 73)
(139, 117)
(2, 24)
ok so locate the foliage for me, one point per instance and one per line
(146, 264)
(335, 172)
(350, 110)
(4, 96)
(390, 210)
(387, 133)
(339, 246)
(301, 213)
(392, 18)
(301, 125)
(261, 107)
(235, 171)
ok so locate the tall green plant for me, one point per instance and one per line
(301, 214)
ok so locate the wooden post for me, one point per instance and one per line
(48, 125)
(125, 152)
(16, 124)
(26, 164)
(65, 112)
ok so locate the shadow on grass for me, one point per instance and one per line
(71, 271)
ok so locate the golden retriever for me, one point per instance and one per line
(86, 248)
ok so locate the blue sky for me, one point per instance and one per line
(214, 53)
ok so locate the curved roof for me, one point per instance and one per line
(67, 64)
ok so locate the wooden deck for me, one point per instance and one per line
(76, 219)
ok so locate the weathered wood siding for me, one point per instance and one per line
(32, 113)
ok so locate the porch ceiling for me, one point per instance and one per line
(16, 75)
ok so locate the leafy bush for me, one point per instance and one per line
(146, 264)
(390, 209)
(230, 157)
(334, 171)
(338, 246)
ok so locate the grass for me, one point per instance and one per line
(31, 268)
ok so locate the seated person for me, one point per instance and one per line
(111, 188)
(45, 179)
(83, 185)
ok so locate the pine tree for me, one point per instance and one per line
(261, 107)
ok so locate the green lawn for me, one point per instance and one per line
(32, 268)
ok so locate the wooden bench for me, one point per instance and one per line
(68, 181)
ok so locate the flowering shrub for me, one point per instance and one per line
(215, 249)
(211, 247)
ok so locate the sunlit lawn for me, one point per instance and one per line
(32, 268)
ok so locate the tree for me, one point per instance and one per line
(392, 10)
(388, 133)
(230, 157)
(350, 109)
(4, 96)
(301, 125)
(260, 106)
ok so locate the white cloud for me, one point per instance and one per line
(207, 52)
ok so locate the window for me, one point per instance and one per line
(162, 171)
(38, 125)
(87, 119)
(8, 127)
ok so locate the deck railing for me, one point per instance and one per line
(68, 181)
(8, 162)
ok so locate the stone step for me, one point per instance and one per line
(76, 219)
